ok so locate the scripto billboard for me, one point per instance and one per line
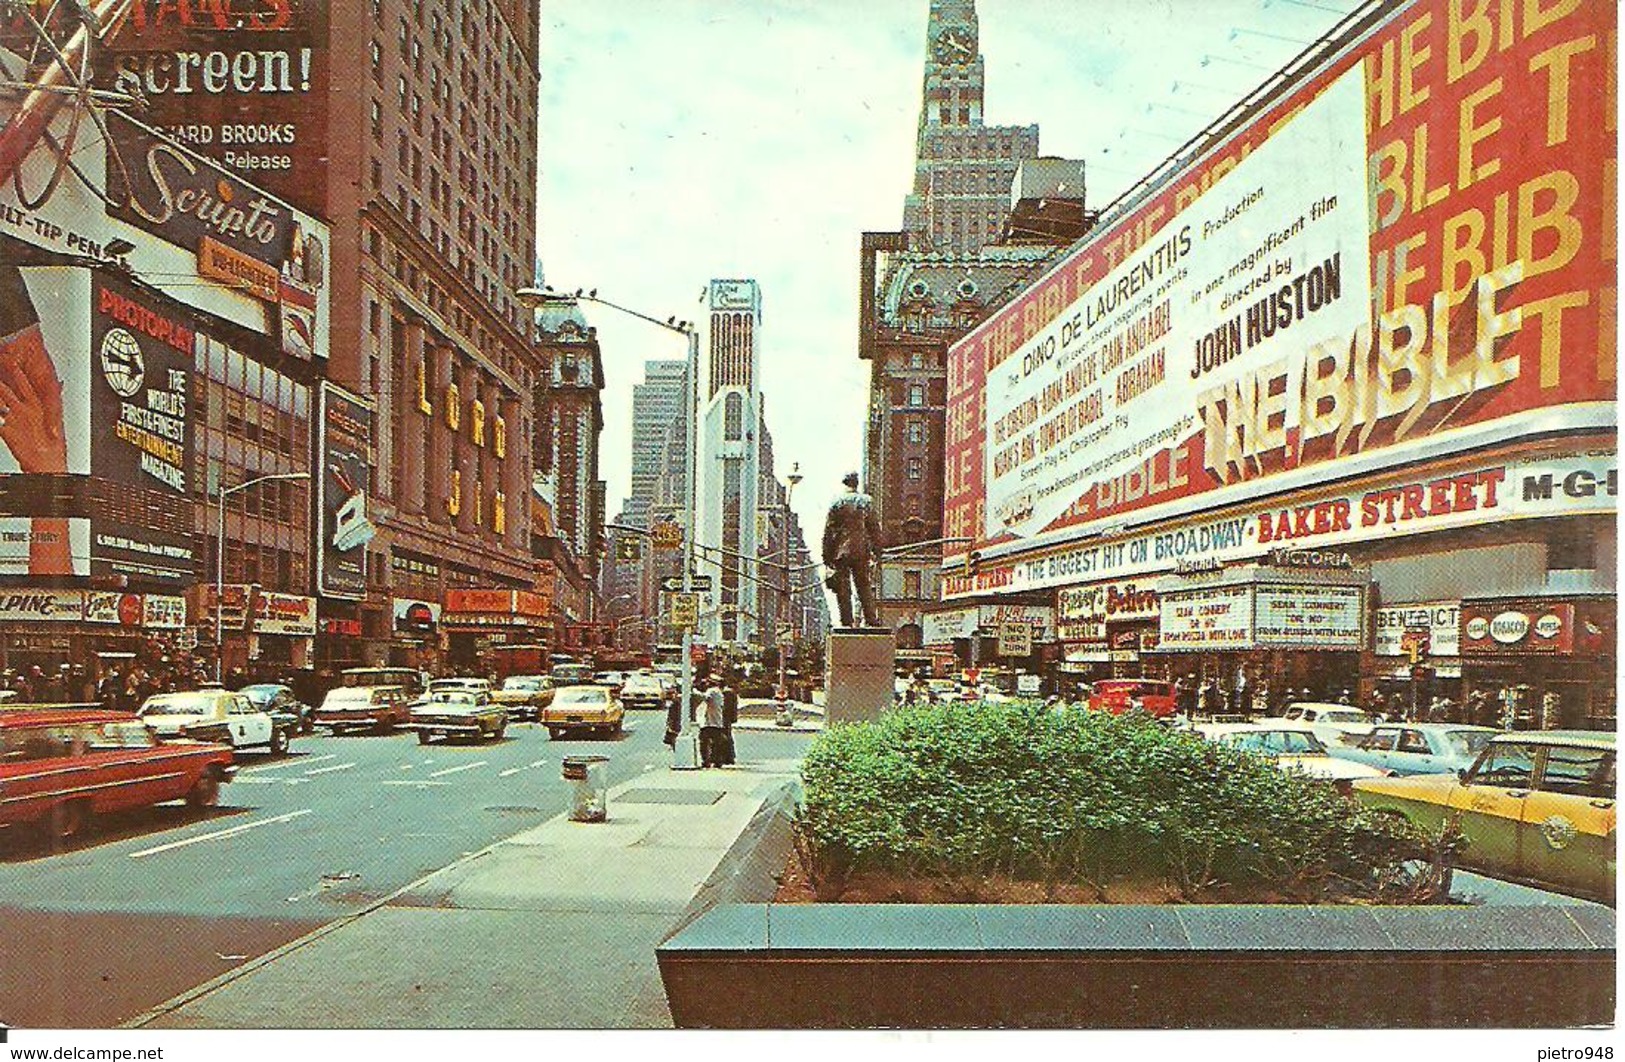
(344, 444)
(1410, 252)
(241, 82)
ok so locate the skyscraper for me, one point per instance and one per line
(962, 168)
(730, 461)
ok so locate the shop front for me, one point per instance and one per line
(340, 643)
(264, 634)
(1256, 636)
(71, 638)
(475, 620)
(1540, 663)
(415, 639)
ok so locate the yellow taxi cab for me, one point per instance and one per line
(1536, 807)
(594, 709)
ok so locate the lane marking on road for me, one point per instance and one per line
(218, 834)
(240, 780)
(421, 783)
(454, 770)
(526, 767)
(335, 767)
(300, 761)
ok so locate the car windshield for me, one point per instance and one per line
(260, 694)
(179, 704)
(521, 684)
(121, 735)
(581, 695)
(1466, 742)
(451, 697)
(355, 695)
(642, 682)
(1343, 717)
(1277, 742)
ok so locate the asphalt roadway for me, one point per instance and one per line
(158, 901)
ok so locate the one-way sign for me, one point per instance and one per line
(674, 584)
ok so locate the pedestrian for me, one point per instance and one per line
(712, 726)
(730, 716)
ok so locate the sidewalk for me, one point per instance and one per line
(756, 713)
(555, 927)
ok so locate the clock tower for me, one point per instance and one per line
(963, 169)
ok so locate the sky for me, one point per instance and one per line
(683, 140)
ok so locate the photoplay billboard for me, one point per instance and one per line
(240, 82)
(344, 449)
(1409, 254)
(98, 373)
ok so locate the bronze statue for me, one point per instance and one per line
(851, 543)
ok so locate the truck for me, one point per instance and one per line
(520, 660)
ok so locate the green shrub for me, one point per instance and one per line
(1067, 796)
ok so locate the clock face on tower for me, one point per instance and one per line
(955, 45)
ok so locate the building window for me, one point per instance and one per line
(377, 56)
(911, 585)
(916, 394)
(916, 468)
(916, 431)
(377, 121)
(733, 425)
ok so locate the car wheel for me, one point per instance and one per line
(502, 728)
(206, 793)
(553, 733)
(423, 737)
(307, 725)
(69, 820)
(279, 741)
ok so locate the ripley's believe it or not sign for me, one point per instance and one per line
(1305, 294)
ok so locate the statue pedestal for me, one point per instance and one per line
(858, 680)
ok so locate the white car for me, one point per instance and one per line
(459, 684)
(1333, 724)
(1292, 748)
(216, 715)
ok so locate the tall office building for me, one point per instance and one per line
(966, 244)
(962, 168)
(658, 406)
(730, 461)
(430, 186)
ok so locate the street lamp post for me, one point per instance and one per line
(220, 562)
(791, 480)
(538, 297)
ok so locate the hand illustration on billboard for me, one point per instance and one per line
(351, 528)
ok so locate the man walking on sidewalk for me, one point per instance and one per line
(712, 723)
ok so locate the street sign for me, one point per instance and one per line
(685, 611)
(666, 535)
(1015, 639)
(628, 549)
(673, 584)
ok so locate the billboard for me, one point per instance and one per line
(242, 84)
(1389, 262)
(344, 478)
(96, 379)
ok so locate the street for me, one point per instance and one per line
(158, 901)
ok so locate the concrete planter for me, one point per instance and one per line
(758, 965)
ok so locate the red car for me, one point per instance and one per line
(1120, 695)
(61, 767)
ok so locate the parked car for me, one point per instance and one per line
(218, 715)
(1331, 723)
(524, 696)
(594, 709)
(1121, 695)
(363, 708)
(457, 713)
(60, 768)
(1291, 748)
(643, 691)
(410, 680)
(613, 679)
(1536, 807)
(273, 698)
(1417, 748)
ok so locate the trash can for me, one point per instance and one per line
(589, 784)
